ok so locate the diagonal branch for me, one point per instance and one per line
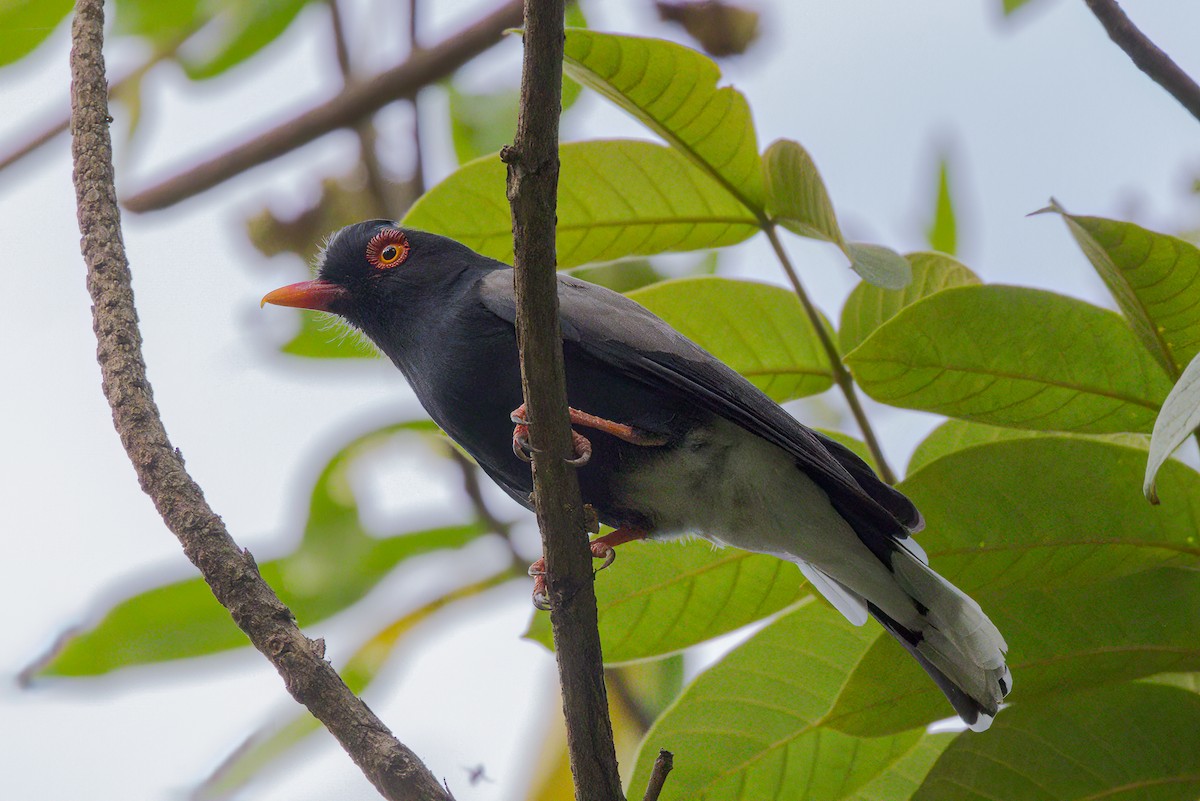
(1146, 55)
(355, 102)
(533, 194)
(229, 571)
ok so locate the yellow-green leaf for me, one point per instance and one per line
(673, 91)
(1013, 356)
(869, 306)
(1155, 279)
(796, 195)
(757, 329)
(617, 198)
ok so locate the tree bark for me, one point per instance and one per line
(533, 193)
(230, 572)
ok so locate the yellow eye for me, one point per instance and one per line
(387, 248)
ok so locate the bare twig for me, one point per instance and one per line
(658, 775)
(230, 572)
(840, 374)
(532, 193)
(418, 175)
(471, 486)
(1146, 55)
(365, 129)
(351, 105)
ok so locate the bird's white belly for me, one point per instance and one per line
(733, 488)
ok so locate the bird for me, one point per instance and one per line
(677, 443)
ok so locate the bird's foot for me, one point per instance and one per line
(582, 445)
(602, 548)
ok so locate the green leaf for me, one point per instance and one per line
(797, 200)
(481, 124)
(617, 198)
(957, 435)
(869, 307)
(159, 22)
(901, 780)
(240, 29)
(659, 598)
(278, 737)
(326, 336)
(883, 267)
(627, 275)
(25, 24)
(796, 195)
(1180, 416)
(1155, 279)
(757, 329)
(1131, 741)
(758, 717)
(1013, 356)
(942, 232)
(337, 563)
(1060, 641)
(1009, 6)
(1051, 512)
(673, 91)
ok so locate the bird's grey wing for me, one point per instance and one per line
(615, 330)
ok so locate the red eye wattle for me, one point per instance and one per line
(387, 249)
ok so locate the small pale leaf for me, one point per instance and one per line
(1180, 416)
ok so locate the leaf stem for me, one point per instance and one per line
(841, 375)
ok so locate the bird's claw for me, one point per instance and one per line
(524, 450)
(583, 449)
(520, 443)
(602, 550)
(537, 570)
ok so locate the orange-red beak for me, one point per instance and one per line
(316, 295)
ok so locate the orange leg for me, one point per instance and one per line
(583, 447)
(602, 548)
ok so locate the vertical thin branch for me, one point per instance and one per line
(532, 193)
(364, 128)
(1146, 55)
(417, 179)
(230, 572)
(841, 375)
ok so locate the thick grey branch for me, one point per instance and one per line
(354, 103)
(229, 571)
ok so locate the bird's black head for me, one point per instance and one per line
(371, 270)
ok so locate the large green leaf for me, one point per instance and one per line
(957, 435)
(901, 780)
(1155, 279)
(659, 598)
(1131, 741)
(673, 91)
(756, 720)
(757, 329)
(1013, 356)
(1060, 641)
(337, 563)
(25, 24)
(1180, 416)
(617, 198)
(869, 307)
(1051, 512)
